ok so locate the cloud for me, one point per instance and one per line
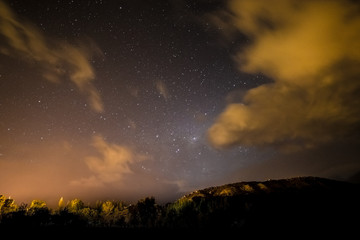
(162, 90)
(56, 58)
(311, 50)
(40, 170)
(111, 165)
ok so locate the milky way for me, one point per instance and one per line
(115, 99)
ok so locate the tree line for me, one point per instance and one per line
(310, 204)
(185, 213)
(146, 213)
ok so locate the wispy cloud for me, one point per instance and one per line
(162, 90)
(311, 50)
(56, 58)
(111, 165)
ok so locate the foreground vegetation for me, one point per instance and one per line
(75, 213)
(274, 205)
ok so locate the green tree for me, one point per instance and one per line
(2, 200)
(112, 213)
(7, 205)
(88, 215)
(107, 212)
(75, 205)
(61, 203)
(37, 207)
(81, 214)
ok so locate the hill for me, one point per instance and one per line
(303, 204)
(292, 185)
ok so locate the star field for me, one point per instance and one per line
(116, 98)
(161, 75)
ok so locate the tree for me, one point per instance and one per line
(37, 207)
(2, 201)
(81, 214)
(112, 213)
(39, 213)
(75, 205)
(7, 205)
(61, 203)
(145, 213)
(107, 212)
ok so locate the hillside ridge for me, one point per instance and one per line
(308, 183)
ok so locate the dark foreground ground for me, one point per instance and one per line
(305, 207)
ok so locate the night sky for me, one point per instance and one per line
(128, 99)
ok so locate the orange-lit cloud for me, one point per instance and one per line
(111, 165)
(56, 58)
(311, 50)
(40, 170)
(88, 170)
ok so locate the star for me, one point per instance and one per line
(123, 99)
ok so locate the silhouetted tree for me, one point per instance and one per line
(145, 213)
(39, 213)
